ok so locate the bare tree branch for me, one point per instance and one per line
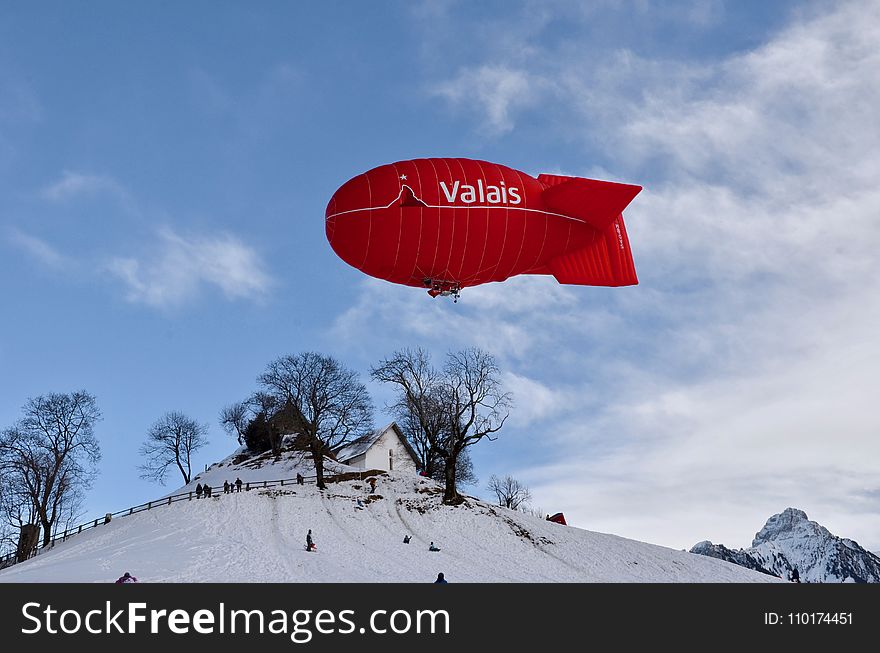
(170, 443)
(509, 492)
(235, 418)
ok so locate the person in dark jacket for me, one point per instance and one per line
(406, 539)
(440, 578)
(225, 487)
(433, 548)
(206, 489)
(310, 543)
(238, 485)
(795, 576)
(198, 491)
(126, 578)
(299, 479)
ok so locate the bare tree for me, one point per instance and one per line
(446, 412)
(48, 459)
(419, 407)
(509, 492)
(534, 511)
(330, 404)
(478, 407)
(171, 442)
(235, 418)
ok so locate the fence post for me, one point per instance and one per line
(264, 483)
(130, 510)
(150, 505)
(169, 501)
(96, 523)
(247, 487)
(282, 482)
(80, 529)
(190, 495)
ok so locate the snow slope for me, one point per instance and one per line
(258, 536)
(790, 540)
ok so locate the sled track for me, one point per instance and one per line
(279, 540)
(419, 537)
(542, 547)
(344, 529)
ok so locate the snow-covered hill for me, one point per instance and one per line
(259, 536)
(789, 540)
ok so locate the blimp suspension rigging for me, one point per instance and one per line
(447, 224)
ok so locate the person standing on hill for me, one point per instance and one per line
(198, 491)
(440, 578)
(238, 485)
(299, 479)
(310, 543)
(126, 578)
(225, 487)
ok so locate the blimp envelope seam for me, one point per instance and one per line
(447, 206)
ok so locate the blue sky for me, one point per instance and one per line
(164, 170)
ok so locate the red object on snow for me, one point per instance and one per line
(559, 518)
(446, 224)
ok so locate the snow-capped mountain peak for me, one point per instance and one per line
(789, 541)
(790, 523)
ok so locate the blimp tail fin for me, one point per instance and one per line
(595, 202)
(606, 262)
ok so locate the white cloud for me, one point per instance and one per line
(498, 89)
(179, 267)
(535, 402)
(74, 184)
(513, 320)
(38, 249)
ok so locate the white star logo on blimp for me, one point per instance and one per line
(402, 177)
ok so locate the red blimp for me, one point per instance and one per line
(446, 224)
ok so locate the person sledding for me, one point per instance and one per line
(310, 543)
(126, 578)
(432, 547)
